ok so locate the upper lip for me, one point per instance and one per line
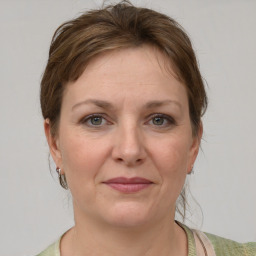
(124, 180)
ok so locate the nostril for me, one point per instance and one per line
(129, 162)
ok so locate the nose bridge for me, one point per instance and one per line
(129, 146)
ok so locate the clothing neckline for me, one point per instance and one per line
(190, 239)
(188, 231)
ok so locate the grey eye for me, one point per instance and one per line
(96, 120)
(158, 120)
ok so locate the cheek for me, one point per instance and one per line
(82, 158)
(171, 160)
(172, 156)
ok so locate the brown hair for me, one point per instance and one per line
(122, 25)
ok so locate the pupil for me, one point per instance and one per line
(158, 120)
(96, 120)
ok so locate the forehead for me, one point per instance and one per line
(128, 73)
(140, 60)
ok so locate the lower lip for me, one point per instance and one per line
(129, 188)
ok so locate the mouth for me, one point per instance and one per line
(128, 185)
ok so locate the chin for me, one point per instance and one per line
(128, 215)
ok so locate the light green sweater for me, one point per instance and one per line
(222, 246)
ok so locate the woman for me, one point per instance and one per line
(122, 98)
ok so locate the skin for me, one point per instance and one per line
(142, 129)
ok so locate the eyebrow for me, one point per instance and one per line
(160, 103)
(107, 105)
(100, 103)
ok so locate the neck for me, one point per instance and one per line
(87, 237)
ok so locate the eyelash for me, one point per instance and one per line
(170, 120)
(86, 119)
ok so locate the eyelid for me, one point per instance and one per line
(169, 118)
(85, 119)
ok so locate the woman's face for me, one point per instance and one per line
(125, 140)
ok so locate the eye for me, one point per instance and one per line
(94, 120)
(158, 120)
(162, 120)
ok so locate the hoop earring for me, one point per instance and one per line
(62, 178)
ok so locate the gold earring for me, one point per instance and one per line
(62, 178)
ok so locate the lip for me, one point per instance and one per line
(128, 185)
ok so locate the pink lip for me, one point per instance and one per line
(128, 185)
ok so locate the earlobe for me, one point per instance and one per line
(52, 143)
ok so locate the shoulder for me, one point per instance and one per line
(223, 246)
(52, 250)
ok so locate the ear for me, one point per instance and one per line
(194, 149)
(53, 143)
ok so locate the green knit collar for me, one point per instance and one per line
(190, 239)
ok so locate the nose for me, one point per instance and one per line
(129, 147)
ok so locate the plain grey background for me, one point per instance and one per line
(35, 210)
